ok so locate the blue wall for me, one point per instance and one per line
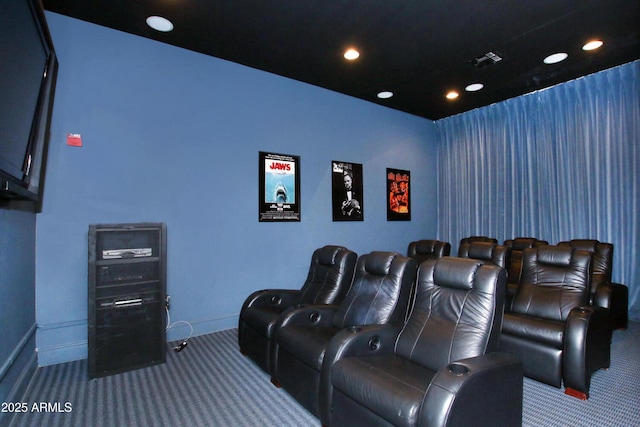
(173, 136)
(17, 290)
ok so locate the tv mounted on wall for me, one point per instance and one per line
(28, 71)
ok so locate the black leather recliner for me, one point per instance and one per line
(439, 369)
(380, 294)
(424, 250)
(329, 278)
(514, 269)
(559, 338)
(604, 293)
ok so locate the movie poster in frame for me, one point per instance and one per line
(279, 195)
(346, 189)
(398, 195)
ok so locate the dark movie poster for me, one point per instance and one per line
(346, 185)
(398, 197)
(279, 196)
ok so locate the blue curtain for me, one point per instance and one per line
(557, 164)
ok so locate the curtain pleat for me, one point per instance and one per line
(557, 164)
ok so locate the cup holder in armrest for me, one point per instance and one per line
(314, 317)
(374, 344)
(276, 300)
(457, 369)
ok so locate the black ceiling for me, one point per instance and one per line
(418, 49)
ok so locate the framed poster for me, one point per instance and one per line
(398, 195)
(279, 195)
(346, 187)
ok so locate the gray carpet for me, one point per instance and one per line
(211, 384)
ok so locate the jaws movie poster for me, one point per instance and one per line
(279, 187)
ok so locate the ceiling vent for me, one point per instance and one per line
(488, 58)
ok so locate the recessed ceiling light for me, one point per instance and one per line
(385, 94)
(555, 58)
(159, 23)
(592, 45)
(474, 87)
(452, 95)
(351, 54)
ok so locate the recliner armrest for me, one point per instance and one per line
(587, 346)
(362, 341)
(274, 298)
(308, 315)
(355, 341)
(481, 391)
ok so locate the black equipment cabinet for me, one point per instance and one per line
(127, 297)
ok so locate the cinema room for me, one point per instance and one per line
(319, 213)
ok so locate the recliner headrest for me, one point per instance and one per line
(522, 243)
(481, 250)
(584, 245)
(425, 246)
(455, 272)
(555, 255)
(327, 254)
(379, 262)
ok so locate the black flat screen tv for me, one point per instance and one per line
(28, 72)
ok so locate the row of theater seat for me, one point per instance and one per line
(561, 305)
(375, 338)
(405, 345)
(602, 292)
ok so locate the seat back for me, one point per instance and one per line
(330, 275)
(457, 312)
(518, 245)
(554, 280)
(380, 292)
(490, 252)
(423, 250)
(602, 265)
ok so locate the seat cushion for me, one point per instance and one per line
(544, 331)
(392, 387)
(307, 344)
